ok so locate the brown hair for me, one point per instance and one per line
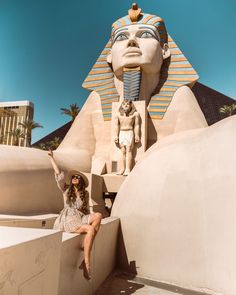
(71, 195)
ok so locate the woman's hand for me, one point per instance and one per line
(54, 164)
(50, 153)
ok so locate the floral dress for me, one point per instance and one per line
(70, 218)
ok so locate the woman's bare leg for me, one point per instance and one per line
(88, 242)
(95, 220)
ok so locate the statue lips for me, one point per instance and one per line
(132, 52)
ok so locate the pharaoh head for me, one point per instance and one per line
(138, 40)
(127, 107)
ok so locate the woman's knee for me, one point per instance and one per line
(90, 230)
(98, 216)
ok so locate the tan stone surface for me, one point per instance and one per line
(177, 210)
(28, 258)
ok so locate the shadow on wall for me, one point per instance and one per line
(122, 258)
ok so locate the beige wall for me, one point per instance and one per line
(27, 183)
(177, 210)
(46, 262)
(28, 258)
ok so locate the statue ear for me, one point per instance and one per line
(109, 58)
(165, 51)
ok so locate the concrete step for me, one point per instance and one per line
(112, 182)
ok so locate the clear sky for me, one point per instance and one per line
(47, 47)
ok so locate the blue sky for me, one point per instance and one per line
(47, 47)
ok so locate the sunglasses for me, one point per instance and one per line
(76, 177)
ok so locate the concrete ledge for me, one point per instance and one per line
(28, 258)
(44, 221)
(29, 261)
(103, 258)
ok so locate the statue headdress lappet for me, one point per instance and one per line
(176, 71)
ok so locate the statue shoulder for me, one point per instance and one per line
(92, 102)
(184, 90)
(93, 96)
(185, 105)
(183, 93)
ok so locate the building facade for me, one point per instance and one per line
(11, 114)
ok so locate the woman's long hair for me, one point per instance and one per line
(71, 195)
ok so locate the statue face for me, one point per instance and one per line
(126, 106)
(137, 45)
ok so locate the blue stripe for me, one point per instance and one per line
(167, 86)
(107, 110)
(98, 81)
(109, 89)
(118, 23)
(101, 86)
(127, 20)
(110, 75)
(112, 99)
(166, 92)
(106, 104)
(159, 107)
(177, 55)
(182, 76)
(101, 62)
(157, 113)
(102, 55)
(151, 20)
(100, 69)
(108, 95)
(181, 63)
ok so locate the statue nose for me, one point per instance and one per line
(132, 43)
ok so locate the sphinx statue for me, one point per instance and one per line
(140, 55)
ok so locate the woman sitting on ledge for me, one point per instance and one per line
(75, 216)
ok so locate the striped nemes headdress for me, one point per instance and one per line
(176, 71)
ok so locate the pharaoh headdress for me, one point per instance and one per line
(176, 71)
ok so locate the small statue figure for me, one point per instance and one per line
(127, 128)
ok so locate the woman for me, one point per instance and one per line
(75, 216)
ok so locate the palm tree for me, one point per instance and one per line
(17, 134)
(228, 110)
(42, 146)
(28, 126)
(54, 144)
(72, 111)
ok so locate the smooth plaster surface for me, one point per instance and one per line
(177, 210)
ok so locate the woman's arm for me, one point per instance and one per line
(54, 164)
(59, 175)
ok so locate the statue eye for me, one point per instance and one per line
(121, 37)
(146, 34)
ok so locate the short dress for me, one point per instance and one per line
(70, 218)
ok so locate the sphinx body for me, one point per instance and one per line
(171, 108)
